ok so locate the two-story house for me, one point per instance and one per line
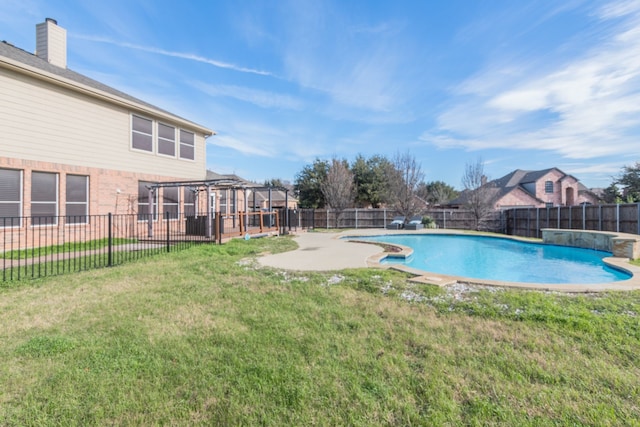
(537, 189)
(71, 146)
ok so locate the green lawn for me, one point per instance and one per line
(206, 337)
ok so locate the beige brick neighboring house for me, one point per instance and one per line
(536, 189)
(72, 146)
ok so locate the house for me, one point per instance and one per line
(73, 147)
(544, 188)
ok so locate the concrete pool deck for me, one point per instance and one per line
(320, 251)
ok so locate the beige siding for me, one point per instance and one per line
(40, 121)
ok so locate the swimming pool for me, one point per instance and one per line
(501, 259)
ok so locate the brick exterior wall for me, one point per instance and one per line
(104, 184)
(566, 192)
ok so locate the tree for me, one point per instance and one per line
(630, 182)
(612, 194)
(371, 180)
(338, 187)
(436, 192)
(404, 180)
(308, 184)
(274, 183)
(478, 192)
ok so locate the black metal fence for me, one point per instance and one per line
(34, 247)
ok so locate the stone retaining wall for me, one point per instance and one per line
(621, 245)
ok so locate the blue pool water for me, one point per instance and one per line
(506, 260)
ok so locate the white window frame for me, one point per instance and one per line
(223, 201)
(85, 202)
(55, 203)
(152, 134)
(181, 144)
(175, 205)
(188, 206)
(20, 203)
(164, 140)
(154, 211)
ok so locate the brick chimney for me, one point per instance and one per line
(51, 43)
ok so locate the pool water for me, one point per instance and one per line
(494, 258)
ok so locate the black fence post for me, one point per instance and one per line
(109, 240)
(166, 219)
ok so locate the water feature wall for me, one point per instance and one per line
(622, 245)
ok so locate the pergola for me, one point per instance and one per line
(209, 186)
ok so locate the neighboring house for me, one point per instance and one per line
(544, 188)
(73, 147)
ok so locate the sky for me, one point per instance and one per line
(527, 84)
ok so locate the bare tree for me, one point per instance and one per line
(338, 187)
(404, 180)
(478, 192)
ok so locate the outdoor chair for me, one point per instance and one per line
(415, 223)
(396, 224)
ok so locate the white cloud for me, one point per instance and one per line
(587, 108)
(188, 56)
(242, 145)
(261, 98)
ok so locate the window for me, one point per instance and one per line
(171, 202)
(10, 198)
(548, 205)
(44, 198)
(166, 140)
(187, 145)
(143, 201)
(189, 197)
(234, 201)
(77, 206)
(548, 187)
(224, 196)
(142, 133)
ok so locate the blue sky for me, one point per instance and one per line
(519, 84)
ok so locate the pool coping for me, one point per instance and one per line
(426, 277)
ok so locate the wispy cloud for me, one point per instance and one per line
(586, 108)
(182, 55)
(241, 145)
(261, 98)
(356, 66)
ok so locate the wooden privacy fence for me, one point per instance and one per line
(379, 218)
(527, 222)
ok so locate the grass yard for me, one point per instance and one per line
(207, 337)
